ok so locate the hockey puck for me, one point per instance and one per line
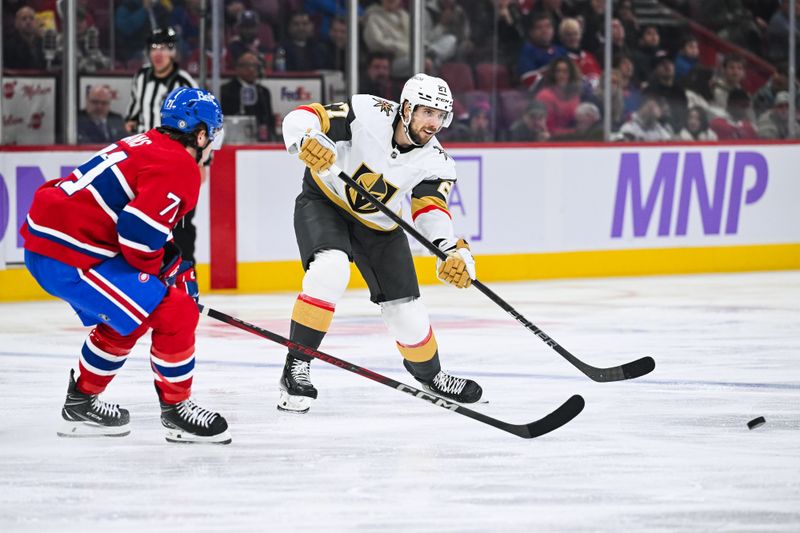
(756, 422)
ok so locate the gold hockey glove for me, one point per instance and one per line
(459, 268)
(317, 151)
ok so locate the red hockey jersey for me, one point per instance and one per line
(126, 199)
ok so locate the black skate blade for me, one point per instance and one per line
(292, 411)
(90, 430)
(186, 438)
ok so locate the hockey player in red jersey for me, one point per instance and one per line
(101, 239)
(391, 149)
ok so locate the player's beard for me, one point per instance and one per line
(414, 135)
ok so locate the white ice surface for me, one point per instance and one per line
(667, 452)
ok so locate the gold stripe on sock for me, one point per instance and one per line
(420, 352)
(313, 314)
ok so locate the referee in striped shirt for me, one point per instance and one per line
(151, 84)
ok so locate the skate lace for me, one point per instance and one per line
(194, 414)
(301, 372)
(449, 384)
(105, 409)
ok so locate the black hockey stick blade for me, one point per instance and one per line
(565, 412)
(631, 370)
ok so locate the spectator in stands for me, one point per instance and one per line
(697, 85)
(303, 51)
(697, 127)
(732, 75)
(774, 123)
(588, 125)
(662, 84)
(479, 14)
(551, 8)
(233, 10)
(22, 48)
(645, 124)
(687, 57)
(593, 26)
(645, 54)
(97, 124)
(778, 33)
(378, 77)
(89, 58)
(764, 99)
(531, 126)
(477, 126)
(387, 30)
(446, 29)
(326, 12)
(618, 115)
(628, 21)
(336, 45)
(619, 40)
(134, 20)
(246, 37)
(243, 95)
(630, 87)
(510, 33)
(560, 95)
(538, 51)
(737, 124)
(731, 21)
(570, 34)
(186, 21)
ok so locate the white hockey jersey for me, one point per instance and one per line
(363, 129)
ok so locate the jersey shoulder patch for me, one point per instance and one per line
(374, 107)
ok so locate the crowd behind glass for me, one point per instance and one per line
(521, 70)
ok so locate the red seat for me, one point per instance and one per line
(492, 76)
(458, 76)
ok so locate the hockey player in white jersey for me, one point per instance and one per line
(390, 149)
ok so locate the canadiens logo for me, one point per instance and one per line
(144, 278)
(377, 186)
(383, 105)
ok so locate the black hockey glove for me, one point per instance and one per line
(171, 262)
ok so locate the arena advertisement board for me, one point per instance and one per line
(519, 201)
(29, 107)
(511, 200)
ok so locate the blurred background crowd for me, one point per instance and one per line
(521, 70)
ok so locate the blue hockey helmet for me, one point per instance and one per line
(186, 107)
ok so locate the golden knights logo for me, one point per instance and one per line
(384, 106)
(441, 152)
(372, 182)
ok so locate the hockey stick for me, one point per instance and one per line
(565, 412)
(633, 369)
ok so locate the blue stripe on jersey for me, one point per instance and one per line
(133, 228)
(109, 188)
(68, 244)
(98, 362)
(175, 371)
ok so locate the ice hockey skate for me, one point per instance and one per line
(461, 390)
(187, 422)
(86, 415)
(297, 392)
